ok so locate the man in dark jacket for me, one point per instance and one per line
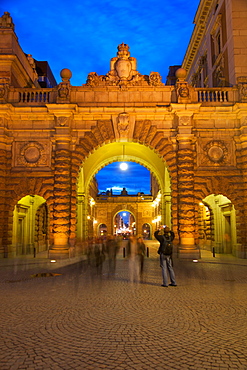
(165, 251)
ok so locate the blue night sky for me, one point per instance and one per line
(111, 177)
(83, 35)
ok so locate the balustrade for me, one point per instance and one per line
(38, 96)
(213, 95)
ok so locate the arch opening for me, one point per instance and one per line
(95, 209)
(217, 224)
(30, 233)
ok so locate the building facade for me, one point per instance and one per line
(191, 136)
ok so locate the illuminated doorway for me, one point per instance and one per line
(30, 226)
(102, 230)
(217, 224)
(146, 231)
(124, 224)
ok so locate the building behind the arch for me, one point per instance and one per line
(191, 135)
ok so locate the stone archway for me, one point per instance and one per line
(30, 226)
(146, 231)
(222, 187)
(222, 222)
(116, 219)
(113, 152)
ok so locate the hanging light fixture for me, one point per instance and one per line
(123, 165)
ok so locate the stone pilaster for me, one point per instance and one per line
(61, 194)
(186, 199)
(3, 218)
(81, 217)
(5, 196)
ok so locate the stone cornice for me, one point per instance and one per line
(200, 21)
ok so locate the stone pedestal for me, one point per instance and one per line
(60, 248)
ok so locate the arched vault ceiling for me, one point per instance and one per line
(122, 151)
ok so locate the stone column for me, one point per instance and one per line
(167, 208)
(80, 217)
(62, 194)
(186, 199)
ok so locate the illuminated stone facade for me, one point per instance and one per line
(54, 140)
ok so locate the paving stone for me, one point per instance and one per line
(77, 320)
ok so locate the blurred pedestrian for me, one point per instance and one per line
(112, 248)
(133, 254)
(141, 252)
(99, 254)
(165, 251)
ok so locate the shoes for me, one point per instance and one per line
(165, 286)
(172, 284)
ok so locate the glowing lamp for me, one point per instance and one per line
(123, 166)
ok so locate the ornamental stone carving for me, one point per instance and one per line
(6, 21)
(242, 88)
(123, 73)
(63, 91)
(4, 88)
(155, 79)
(62, 121)
(185, 120)
(215, 153)
(31, 154)
(123, 125)
(64, 87)
(182, 87)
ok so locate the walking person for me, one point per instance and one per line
(112, 248)
(165, 252)
(134, 259)
(141, 252)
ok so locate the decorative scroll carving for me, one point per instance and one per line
(123, 72)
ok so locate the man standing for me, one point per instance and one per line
(165, 252)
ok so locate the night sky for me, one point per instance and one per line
(111, 177)
(83, 35)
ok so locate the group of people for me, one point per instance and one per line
(100, 249)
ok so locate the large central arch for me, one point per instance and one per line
(121, 151)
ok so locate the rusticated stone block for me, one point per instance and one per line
(61, 229)
(60, 214)
(62, 171)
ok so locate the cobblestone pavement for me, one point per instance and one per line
(78, 319)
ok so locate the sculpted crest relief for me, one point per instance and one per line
(123, 72)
